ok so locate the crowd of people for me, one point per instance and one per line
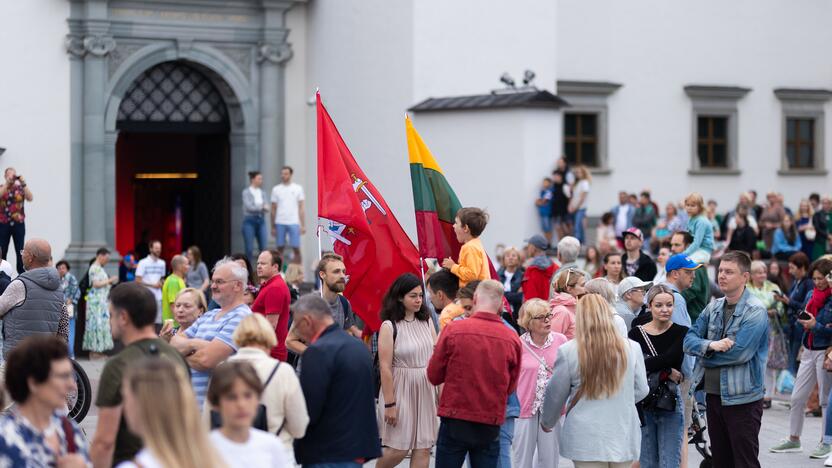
(571, 343)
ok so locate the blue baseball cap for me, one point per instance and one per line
(681, 262)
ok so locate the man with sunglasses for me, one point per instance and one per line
(208, 341)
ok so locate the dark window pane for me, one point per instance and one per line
(570, 124)
(790, 156)
(702, 127)
(702, 151)
(569, 151)
(588, 125)
(720, 126)
(588, 154)
(806, 129)
(720, 155)
(791, 128)
(805, 157)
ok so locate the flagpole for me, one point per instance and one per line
(320, 253)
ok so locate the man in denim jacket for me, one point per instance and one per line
(730, 340)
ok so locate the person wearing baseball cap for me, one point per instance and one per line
(540, 270)
(630, 301)
(681, 271)
(635, 262)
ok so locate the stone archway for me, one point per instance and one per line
(242, 52)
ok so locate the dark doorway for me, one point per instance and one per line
(173, 187)
(173, 163)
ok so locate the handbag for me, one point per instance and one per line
(663, 391)
(260, 419)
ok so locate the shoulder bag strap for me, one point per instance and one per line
(575, 399)
(271, 375)
(69, 435)
(647, 340)
(537, 356)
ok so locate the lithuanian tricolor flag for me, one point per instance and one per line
(435, 201)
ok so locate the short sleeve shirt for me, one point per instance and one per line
(151, 271)
(274, 299)
(196, 276)
(109, 388)
(287, 198)
(11, 205)
(173, 284)
(209, 327)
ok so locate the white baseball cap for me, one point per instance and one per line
(631, 282)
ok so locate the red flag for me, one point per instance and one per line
(375, 248)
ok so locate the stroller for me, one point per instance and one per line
(696, 436)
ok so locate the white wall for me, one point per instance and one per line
(34, 112)
(654, 49)
(490, 159)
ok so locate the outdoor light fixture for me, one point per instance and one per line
(507, 80)
(528, 77)
(2, 150)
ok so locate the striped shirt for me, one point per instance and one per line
(208, 327)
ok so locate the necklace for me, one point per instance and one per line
(409, 321)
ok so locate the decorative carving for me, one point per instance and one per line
(75, 46)
(120, 54)
(274, 53)
(240, 56)
(99, 45)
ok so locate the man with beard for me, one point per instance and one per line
(333, 274)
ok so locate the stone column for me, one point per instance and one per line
(272, 53)
(75, 48)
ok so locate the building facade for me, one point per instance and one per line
(140, 119)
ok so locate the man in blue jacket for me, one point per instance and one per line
(730, 339)
(337, 382)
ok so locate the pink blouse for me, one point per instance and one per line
(531, 384)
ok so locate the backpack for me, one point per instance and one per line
(376, 366)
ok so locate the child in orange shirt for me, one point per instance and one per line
(469, 224)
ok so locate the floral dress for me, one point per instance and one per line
(97, 337)
(21, 444)
(777, 350)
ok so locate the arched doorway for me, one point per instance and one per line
(173, 162)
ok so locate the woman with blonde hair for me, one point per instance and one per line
(294, 278)
(160, 407)
(601, 375)
(510, 275)
(700, 227)
(286, 414)
(189, 305)
(578, 202)
(540, 348)
(568, 287)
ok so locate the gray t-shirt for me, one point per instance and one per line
(347, 319)
(196, 276)
(712, 374)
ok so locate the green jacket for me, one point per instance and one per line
(699, 294)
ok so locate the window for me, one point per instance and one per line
(800, 143)
(580, 139)
(585, 125)
(802, 130)
(712, 141)
(714, 134)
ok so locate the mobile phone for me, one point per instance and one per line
(805, 316)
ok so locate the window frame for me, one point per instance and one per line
(715, 101)
(803, 104)
(579, 137)
(590, 97)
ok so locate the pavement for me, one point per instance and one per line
(775, 427)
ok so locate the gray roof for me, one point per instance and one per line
(540, 99)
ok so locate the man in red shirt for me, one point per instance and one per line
(273, 299)
(478, 361)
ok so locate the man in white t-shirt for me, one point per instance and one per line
(150, 272)
(287, 213)
(6, 267)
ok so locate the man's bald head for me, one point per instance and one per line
(37, 253)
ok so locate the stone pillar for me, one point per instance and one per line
(75, 48)
(272, 53)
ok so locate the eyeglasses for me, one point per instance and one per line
(220, 282)
(545, 318)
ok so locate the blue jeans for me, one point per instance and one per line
(254, 227)
(16, 231)
(333, 465)
(546, 223)
(827, 436)
(451, 452)
(506, 437)
(661, 438)
(579, 224)
(291, 230)
(71, 342)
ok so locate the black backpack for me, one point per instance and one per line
(376, 366)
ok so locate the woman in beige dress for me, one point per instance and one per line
(406, 401)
